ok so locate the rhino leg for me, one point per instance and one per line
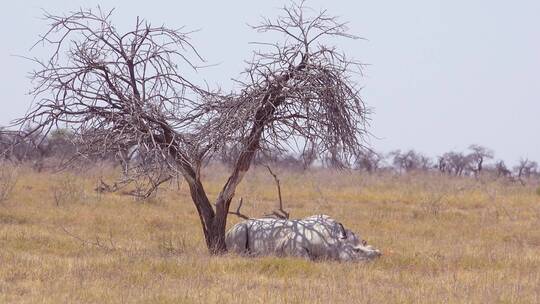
(301, 252)
(304, 253)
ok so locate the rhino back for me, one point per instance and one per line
(267, 236)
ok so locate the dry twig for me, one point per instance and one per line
(280, 213)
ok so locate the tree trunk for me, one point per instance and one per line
(216, 235)
(213, 223)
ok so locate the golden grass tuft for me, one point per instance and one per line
(445, 239)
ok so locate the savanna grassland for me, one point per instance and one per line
(444, 239)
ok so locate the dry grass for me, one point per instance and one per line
(445, 240)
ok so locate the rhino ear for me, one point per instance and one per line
(342, 232)
(364, 243)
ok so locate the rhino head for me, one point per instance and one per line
(351, 248)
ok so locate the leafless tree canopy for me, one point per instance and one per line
(525, 168)
(369, 161)
(410, 160)
(124, 91)
(114, 89)
(298, 90)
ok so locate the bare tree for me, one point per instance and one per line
(5, 144)
(60, 143)
(369, 161)
(424, 162)
(410, 160)
(117, 88)
(442, 164)
(525, 169)
(8, 179)
(502, 169)
(455, 163)
(478, 156)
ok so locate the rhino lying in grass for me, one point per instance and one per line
(314, 237)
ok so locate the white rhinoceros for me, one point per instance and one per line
(314, 237)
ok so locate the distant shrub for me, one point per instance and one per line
(8, 179)
(170, 246)
(67, 189)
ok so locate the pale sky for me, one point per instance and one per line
(442, 74)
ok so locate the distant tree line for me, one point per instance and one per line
(61, 144)
(22, 146)
(473, 162)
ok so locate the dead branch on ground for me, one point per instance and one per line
(280, 213)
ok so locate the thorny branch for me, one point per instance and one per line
(106, 244)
